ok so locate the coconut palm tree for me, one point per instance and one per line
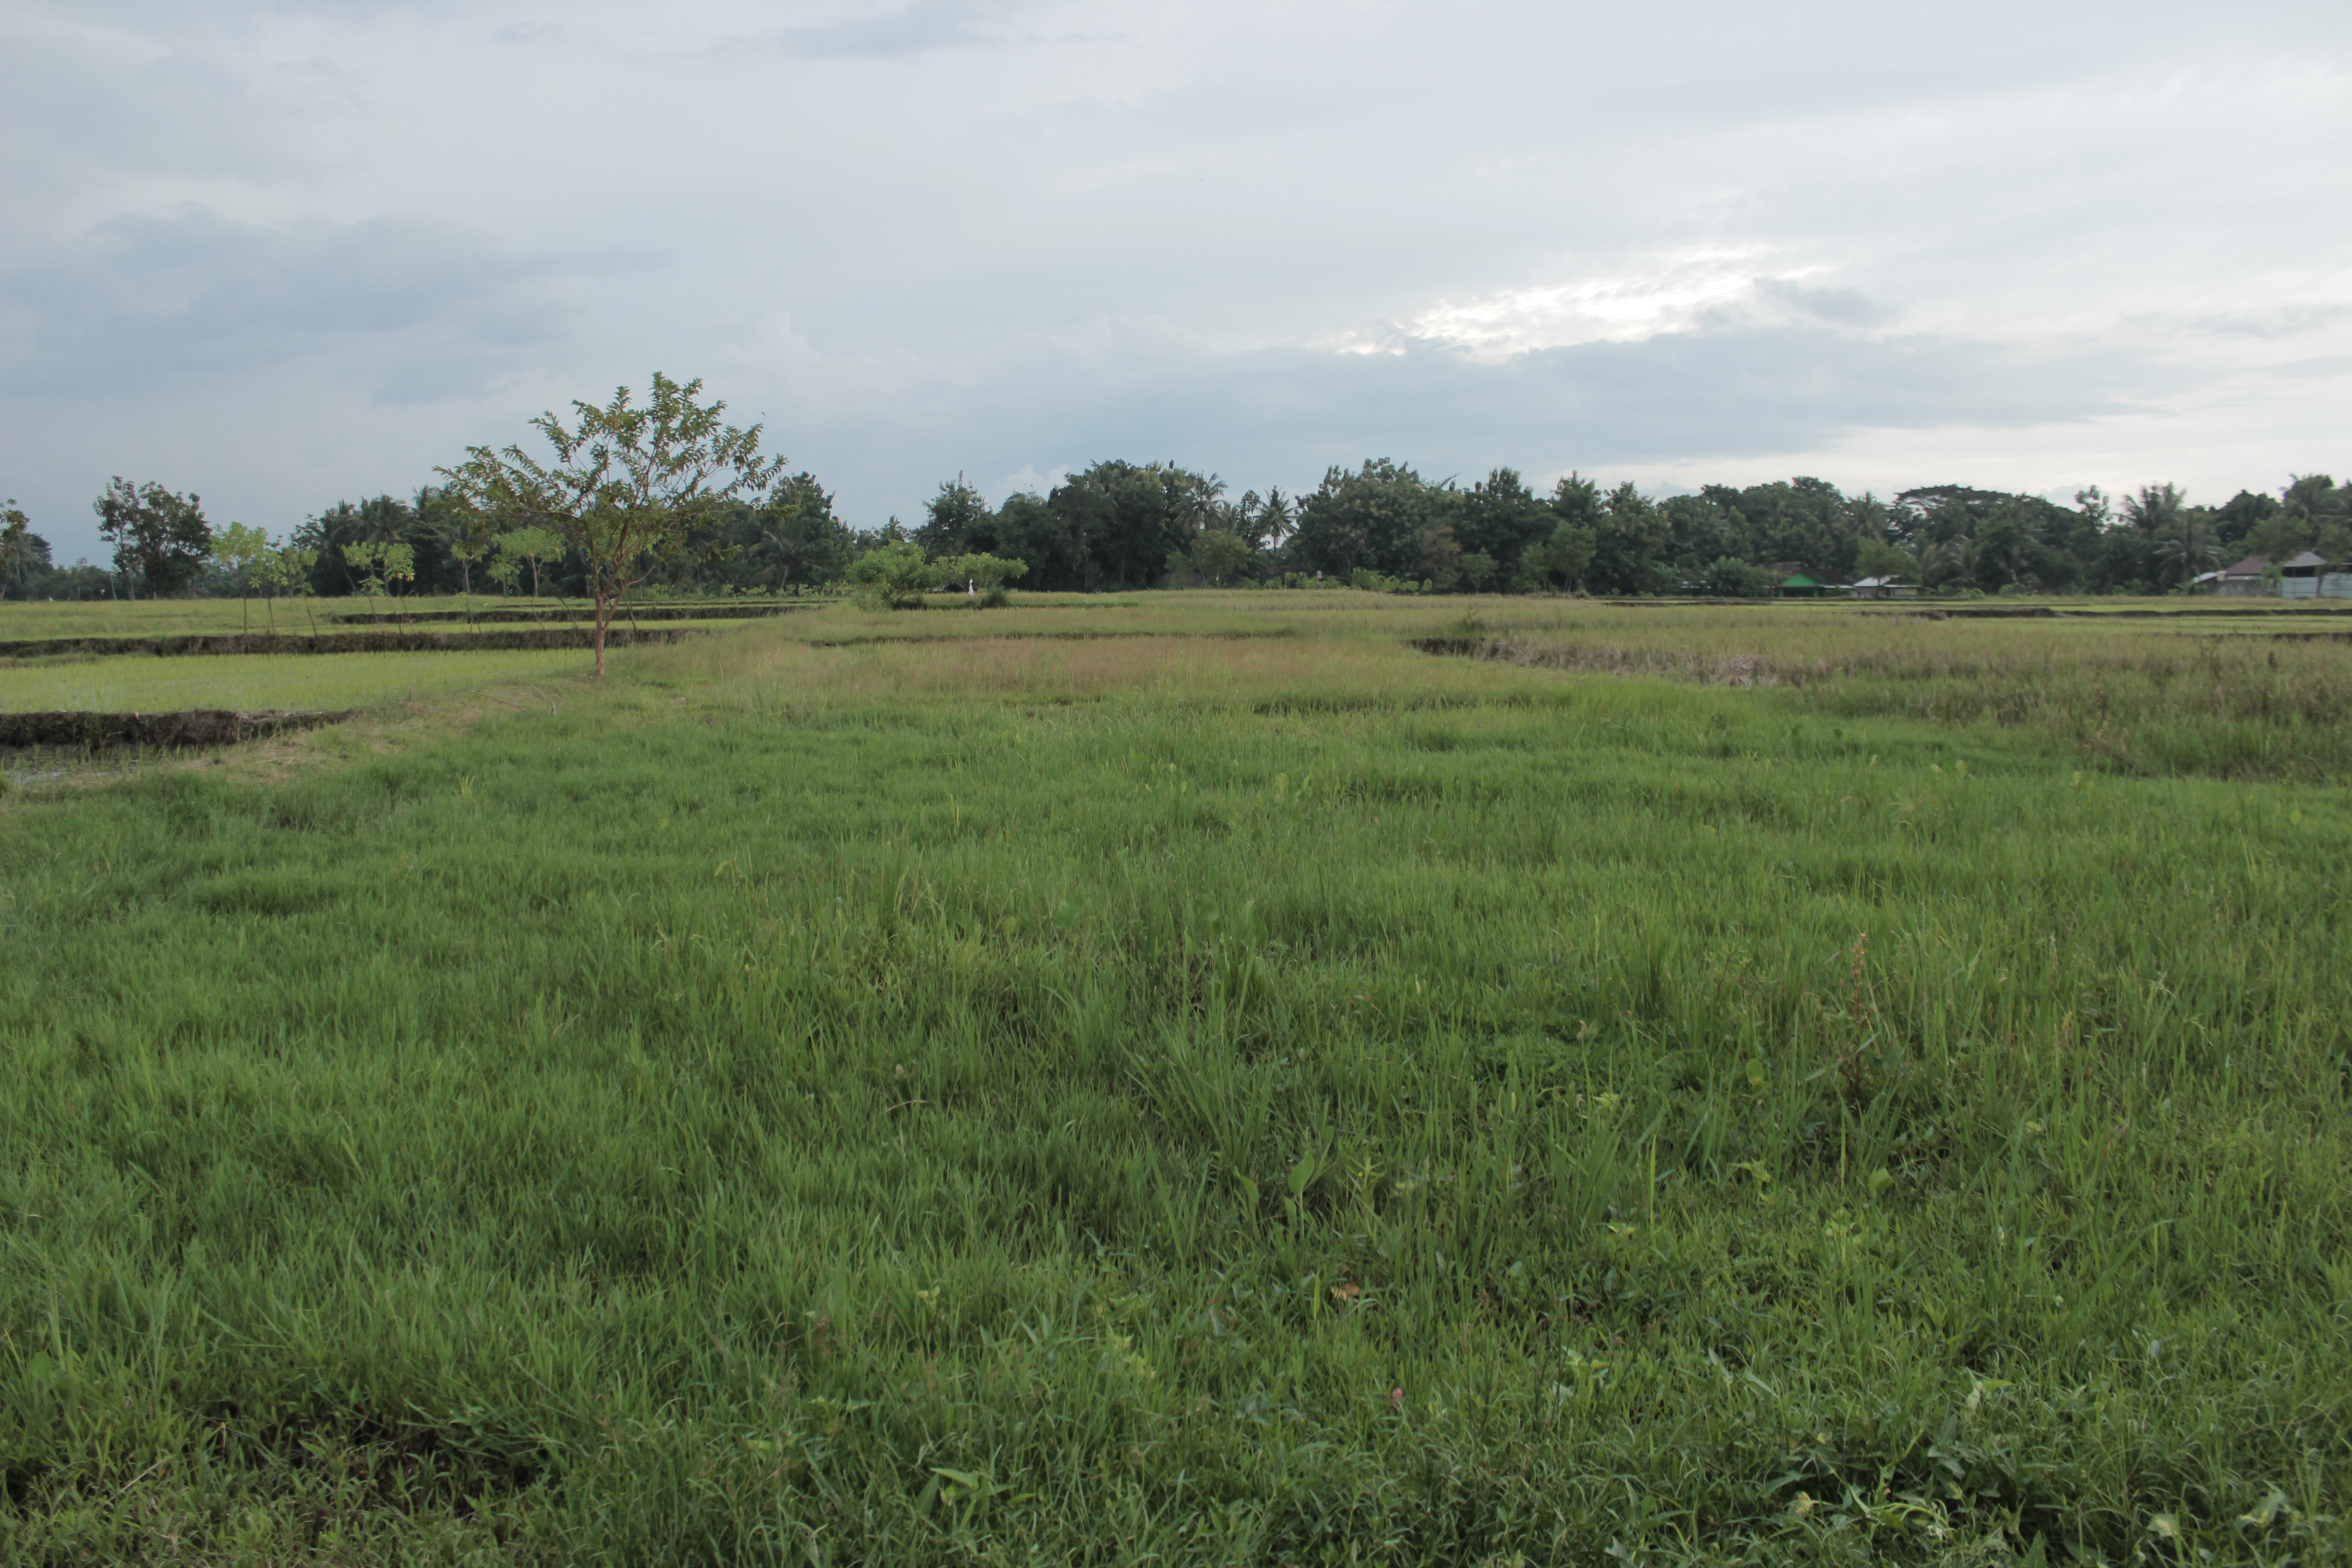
(16, 541)
(2156, 510)
(1948, 564)
(2185, 549)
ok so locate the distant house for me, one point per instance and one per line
(1884, 588)
(2244, 580)
(1790, 579)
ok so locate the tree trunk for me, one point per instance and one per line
(604, 618)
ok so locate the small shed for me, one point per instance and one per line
(2244, 579)
(2302, 577)
(1801, 585)
(1887, 587)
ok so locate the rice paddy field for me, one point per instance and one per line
(142, 682)
(176, 617)
(172, 618)
(1268, 1078)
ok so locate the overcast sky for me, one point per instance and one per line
(283, 253)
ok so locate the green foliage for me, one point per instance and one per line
(1628, 543)
(464, 529)
(895, 576)
(1222, 557)
(1375, 518)
(1111, 525)
(797, 533)
(1878, 558)
(1263, 522)
(15, 542)
(1561, 560)
(955, 522)
(240, 552)
(2156, 510)
(1441, 557)
(1729, 577)
(1503, 520)
(2186, 547)
(159, 535)
(381, 566)
(281, 570)
(981, 571)
(629, 487)
(378, 519)
(519, 548)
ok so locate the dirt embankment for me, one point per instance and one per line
(377, 641)
(582, 615)
(190, 727)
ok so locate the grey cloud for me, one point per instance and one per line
(531, 35)
(918, 27)
(1681, 394)
(2281, 322)
(1282, 416)
(2318, 368)
(69, 109)
(1247, 174)
(1833, 307)
(155, 300)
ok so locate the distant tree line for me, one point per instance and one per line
(1123, 525)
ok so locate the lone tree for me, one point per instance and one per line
(629, 486)
(156, 535)
(240, 550)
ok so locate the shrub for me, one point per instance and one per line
(895, 577)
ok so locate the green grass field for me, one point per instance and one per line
(1195, 1080)
(167, 618)
(142, 682)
